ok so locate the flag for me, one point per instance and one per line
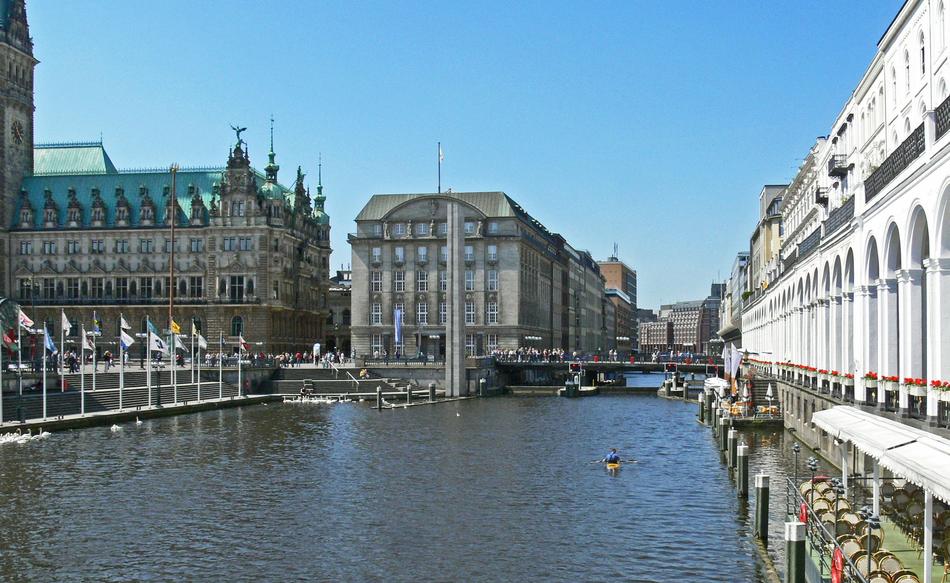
(123, 324)
(125, 340)
(156, 344)
(152, 328)
(67, 327)
(48, 341)
(175, 328)
(25, 321)
(441, 155)
(244, 345)
(86, 343)
(180, 343)
(9, 340)
(96, 324)
(397, 324)
(202, 343)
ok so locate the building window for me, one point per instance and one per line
(492, 342)
(491, 313)
(923, 56)
(469, 312)
(399, 254)
(443, 228)
(49, 289)
(376, 281)
(493, 227)
(422, 314)
(443, 313)
(376, 314)
(229, 244)
(492, 280)
(197, 245)
(422, 254)
(97, 246)
(121, 288)
(469, 280)
(469, 253)
(276, 290)
(469, 227)
(470, 344)
(236, 288)
(377, 344)
(443, 281)
(146, 245)
(377, 255)
(422, 281)
(145, 287)
(26, 247)
(443, 254)
(906, 72)
(97, 288)
(422, 228)
(245, 243)
(72, 288)
(49, 247)
(399, 281)
(72, 247)
(237, 326)
(122, 246)
(399, 229)
(377, 230)
(493, 253)
(346, 317)
(196, 286)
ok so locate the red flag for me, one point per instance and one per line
(244, 345)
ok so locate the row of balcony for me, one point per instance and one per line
(378, 260)
(110, 301)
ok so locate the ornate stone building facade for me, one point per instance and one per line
(251, 256)
(523, 285)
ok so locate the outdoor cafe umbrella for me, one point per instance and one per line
(768, 394)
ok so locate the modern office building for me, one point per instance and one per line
(622, 278)
(524, 285)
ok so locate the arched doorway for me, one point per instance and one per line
(889, 326)
(914, 314)
(871, 317)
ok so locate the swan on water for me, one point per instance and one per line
(115, 428)
(137, 420)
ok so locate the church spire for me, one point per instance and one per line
(319, 200)
(270, 171)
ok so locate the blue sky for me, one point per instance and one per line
(649, 124)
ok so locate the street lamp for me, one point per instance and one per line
(796, 449)
(838, 488)
(812, 464)
(871, 523)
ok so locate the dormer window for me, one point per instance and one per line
(98, 214)
(122, 213)
(26, 216)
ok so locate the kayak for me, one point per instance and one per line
(613, 465)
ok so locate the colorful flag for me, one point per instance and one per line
(176, 329)
(25, 321)
(244, 345)
(125, 340)
(48, 341)
(152, 328)
(86, 343)
(9, 340)
(96, 324)
(397, 324)
(67, 326)
(156, 344)
(123, 324)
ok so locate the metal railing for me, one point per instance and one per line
(821, 543)
(909, 150)
(942, 118)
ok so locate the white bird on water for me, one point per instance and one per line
(115, 428)
(137, 420)
(457, 414)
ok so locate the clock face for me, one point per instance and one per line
(17, 131)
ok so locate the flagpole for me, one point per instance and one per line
(199, 369)
(172, 219)
(45, 332)
(62, 350)
(220, 365)
(440, 167)
(148, 358)
(19, 353)
(172, 362)
(193, 350)
(93, 355)
(121, 362)
(240, 349)
(82, 367)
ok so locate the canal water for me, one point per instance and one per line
(483, 490)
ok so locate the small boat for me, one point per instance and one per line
(613, 465)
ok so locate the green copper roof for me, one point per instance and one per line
(492, 204)
(72, 158)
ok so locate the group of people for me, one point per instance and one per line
(530, 354)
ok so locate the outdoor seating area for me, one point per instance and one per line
(908, 509)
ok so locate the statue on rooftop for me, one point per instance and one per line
(237, 131)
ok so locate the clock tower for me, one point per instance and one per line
(16, 116)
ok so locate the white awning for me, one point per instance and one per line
(717, 385)
(910, 453)
(926, 462)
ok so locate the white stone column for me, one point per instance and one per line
(938, 326)
(848, 338)
(887, 333)
(910, 320)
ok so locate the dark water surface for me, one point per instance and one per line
(483, 490)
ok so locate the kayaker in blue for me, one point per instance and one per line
(613, 457)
